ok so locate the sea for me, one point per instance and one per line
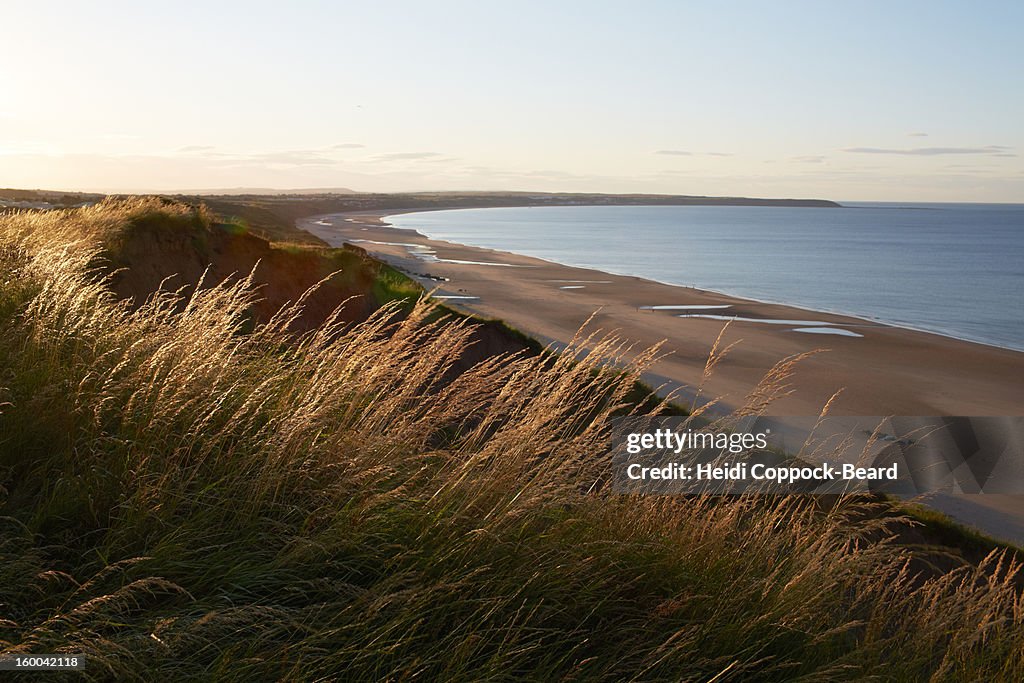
(952, 269)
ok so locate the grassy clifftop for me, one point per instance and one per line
(194, 487)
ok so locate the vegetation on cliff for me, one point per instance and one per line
(195, 487)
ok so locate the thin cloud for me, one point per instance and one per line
(348, 145)
(558, 175)
(809, 159)
(685, 153)
(291, 158)
(407, 156)
(917, 135)
(929, 151)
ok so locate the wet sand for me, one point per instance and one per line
(879, 369)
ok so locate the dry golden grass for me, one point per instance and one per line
(186, 499)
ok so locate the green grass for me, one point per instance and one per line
(945, 531)
(181, 500)
(392, 285)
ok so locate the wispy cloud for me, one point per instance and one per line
(15, 147)
(809, 159)
(291, 158)
(331, 156)
(685, 153)
(993, 150)
(407, 156)
(917, 135)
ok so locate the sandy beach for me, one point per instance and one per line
(878, 369)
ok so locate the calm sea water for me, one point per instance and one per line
(956, 269)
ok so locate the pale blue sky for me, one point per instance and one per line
(865, 100)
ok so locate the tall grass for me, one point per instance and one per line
(183, 498)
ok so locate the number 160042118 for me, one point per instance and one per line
(41, 662)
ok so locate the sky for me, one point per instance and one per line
(895, 100)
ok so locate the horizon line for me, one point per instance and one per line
(343, 191)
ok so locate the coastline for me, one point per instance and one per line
(470, 271)
(889, 370)
(750, 291)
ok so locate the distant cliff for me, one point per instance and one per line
(274, 215)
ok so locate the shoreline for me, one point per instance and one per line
(463, 265)
(380, 218)
(864, 318)
(889, 371)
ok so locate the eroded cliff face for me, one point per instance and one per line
(154, 252)
(150, 255)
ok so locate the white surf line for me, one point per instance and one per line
(454, 296)
(427, 253)
(827, 330)
(586, 282)
(571, 287)
(433, 259)
(685, 307)
(410, 245)
(766, 321)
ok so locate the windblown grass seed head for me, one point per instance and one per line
(185, 495)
